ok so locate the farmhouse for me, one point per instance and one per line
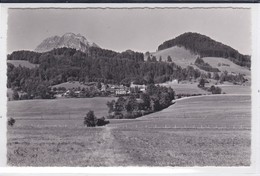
(122, 91)
(142, 88)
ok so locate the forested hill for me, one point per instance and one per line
(207, 47)
(99, 65)
(66, 64)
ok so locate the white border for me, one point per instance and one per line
(253, 169)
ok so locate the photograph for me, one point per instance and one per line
(139, 87)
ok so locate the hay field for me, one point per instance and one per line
(196, 131)
(57, 108)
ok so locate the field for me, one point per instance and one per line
(192, 88)
(179, 55)
(22, 63)
(214, 61)
(197, 131)
(185, 88)
(235, 89)
(73, 108)
(70, 85)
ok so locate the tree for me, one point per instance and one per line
(149, 59)
(102, 121)
(160, 59)
(209, 75)
(202, 82)
(146, 101)
(169, 59)
(131, 104)
(149, 78)
(99, 85)
(215, 90)
(216, 76)
(154, 59)
(11, 121)
(90, 119)
(155, 104)
(164, 100)
(15, 95)
(54, 89)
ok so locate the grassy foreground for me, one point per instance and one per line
(200, 131)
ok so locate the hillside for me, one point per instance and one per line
(184, 58)
(206, 47)
(179, 55)
(226, 65)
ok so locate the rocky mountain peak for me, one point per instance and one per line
(69, 40)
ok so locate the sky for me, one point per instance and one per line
(121, 29)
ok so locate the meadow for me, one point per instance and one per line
(179, 55)
(22, 63)
(227, 65)
(185, 88)
(197, 131)
(63, 108)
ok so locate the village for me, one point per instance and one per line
(75, 89)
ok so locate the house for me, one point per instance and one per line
(121, 92)
(77, 93)
(142, 88)
(66, 93)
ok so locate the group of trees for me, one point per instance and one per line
(90, 120)
(234, 78)
(156, 98)
(154, 59)
(213, 89)
(205, 66)
(207, 47)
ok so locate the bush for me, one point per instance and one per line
(91, 121)
(102, 122)
(11, 121)
(215, 90)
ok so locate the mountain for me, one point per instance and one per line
(204, 46)
(68, 40)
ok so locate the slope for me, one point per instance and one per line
(179, 55)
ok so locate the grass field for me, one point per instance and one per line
(179, 55)
(58, 108)
(214, 61)
(235, 89)
(185, 88)
(22, 63)
(197, 131)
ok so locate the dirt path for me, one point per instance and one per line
(109, 152)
